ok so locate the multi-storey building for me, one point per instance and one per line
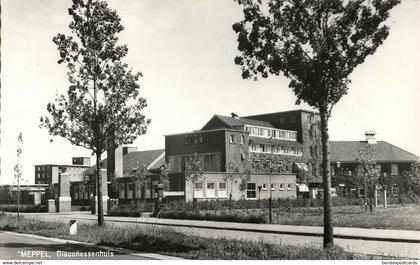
(292, 138)
(288, 139)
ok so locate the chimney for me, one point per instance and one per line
(129, 149)
(234, 115)
(370, 137)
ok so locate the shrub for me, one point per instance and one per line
(126, 210)
(24, 208)
(221, 216)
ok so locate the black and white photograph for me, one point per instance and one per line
(210, 131)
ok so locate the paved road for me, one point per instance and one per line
(19, 247)
(376, 247)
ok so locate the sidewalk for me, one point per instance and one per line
(389, 235)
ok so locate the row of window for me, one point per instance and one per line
(210, 190)
(271, 133)
(209, 162)
(193, 139)
(275, 149)
(219, 189)
(251, 188)
(80, 193)
(232, 139)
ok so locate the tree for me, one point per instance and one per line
(18, 172)
(317, 45)
(235, 172)
(140, 176)
(102, 107)
(164, 171)
(194, 172)
(367, 174)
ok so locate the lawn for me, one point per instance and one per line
(395, 217)
(404, 218)
(170, 242)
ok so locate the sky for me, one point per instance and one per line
(185, 50)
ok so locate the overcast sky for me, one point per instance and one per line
(185, 49)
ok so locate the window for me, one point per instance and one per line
(395, 190)
(175, 163)
(121, 191)
(210, 162)
(289, 186)
(231, 139)
(198, 185)
(129, 190)
(242, 139)
(394, 170)
(272, 186)
(282, 120)
(264, 186)
(210, 190)
(281, 187)
(221, 192)
(76, 192)
(251, 192)
(198, 190)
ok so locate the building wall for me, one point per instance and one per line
(307, 124)
(237, 153)
(180, 145)
(391, 177)
(234, 187)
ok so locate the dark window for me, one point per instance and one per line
(251, 190)
(292, 119)
(282, 120)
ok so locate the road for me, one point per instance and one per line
(19, 247)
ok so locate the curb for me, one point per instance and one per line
(114, 249)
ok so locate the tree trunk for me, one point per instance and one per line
(100, 211)
(326, 179)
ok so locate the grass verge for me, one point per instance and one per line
(169, 242)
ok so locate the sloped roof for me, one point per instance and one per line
(157, 157)
(234, 122)
(347, 151)
(143, 157)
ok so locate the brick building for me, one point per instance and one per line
(393, 164)
(290, 139)
(48, 173)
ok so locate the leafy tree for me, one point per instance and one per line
(18, 172)
(317, 45)
(235, 172)
(367, 174)
(410, 180)
(164, 175)
(194, 171)
(102, 107)
(140, 176)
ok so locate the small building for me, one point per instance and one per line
(31, 194)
